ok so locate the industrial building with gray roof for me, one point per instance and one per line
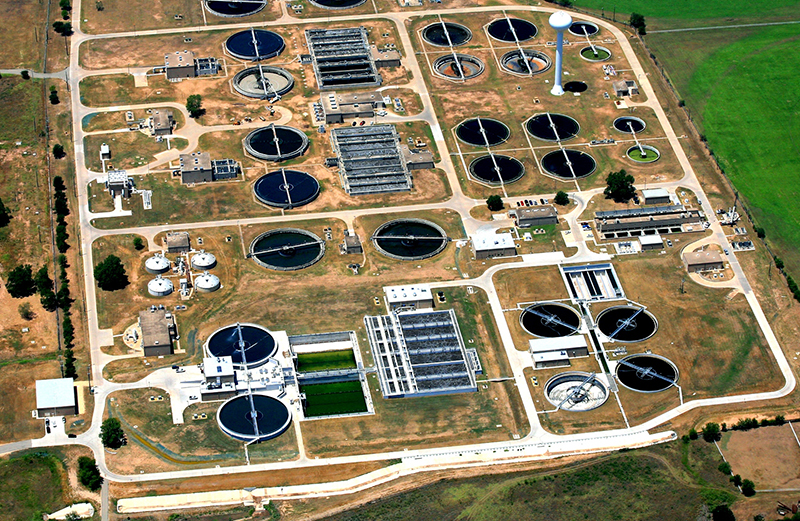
(370, 160)
(342, 58)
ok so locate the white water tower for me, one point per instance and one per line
(560, 21)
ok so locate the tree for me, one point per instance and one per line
(725, 468)
(110, 274)
(19, 282)
(561, 199)
(494, 203)
(65, 5)
(722, 513)
(638, 23)
(711, 432)
(692, 434)
(25, 311)
(760, 232)
(748, 488)
(138, 243)
(26, 75)
(58, 151)
(194, 104)
(5, 217)
(63, 28)
(88, 473)
(58, 183)
(54, 97)
(61, 238)
(111, 433)
(736, 480)
(620, 186)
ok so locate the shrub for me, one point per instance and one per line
(25, 311)
(692, 434)
(725, 467)
(748, 488)
(88, 473)
(711, 432)
(494, 203)
(760, 232)
(58, 151)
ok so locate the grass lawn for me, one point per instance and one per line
(334, 398)
(325, 360)
(680, 13)
(32, 487)
(748, 114)
(667, 482)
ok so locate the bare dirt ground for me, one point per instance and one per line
(773, 465)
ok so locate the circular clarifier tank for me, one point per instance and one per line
(157, 264)
(204, 261)
(258, 343)
(583, 28)
(549, 320)
(575, 86)
(504, 30)
(275, 81)
(568, 164)
(627, 323)
(576, 391)
(495, 169)
(206, 283)
(458, 67)
(596, 54)
(552, 127)
(160, 287)
(267, 45)
(409, 239)
(234, 9)
(437, 34)
(644, 154)
(287, 249)
(337, 4)
(235, 417)
(646, 373)
(629, 124)
(286, 188)
(481, 132)
(276, 143)
(525, 62)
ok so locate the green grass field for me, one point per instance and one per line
(334, 398)
(310, 362)
(667, 482)
(31, 487)
(662, 14)
(738, 86)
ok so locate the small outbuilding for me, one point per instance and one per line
(651, 242)
(490, 245)
(656, 196)
(535, 216)
(417, 158)
(219, 370)
(699, 261)
(119, 183)
(178, 242)
(417, 296)
(623, 88)
(56, 397)
(352, 244)
(158, 331)
(162, 122)
(179, 65)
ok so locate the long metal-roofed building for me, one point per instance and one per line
(650, 220)
(342, 58)
(420, 353)
(370, 160)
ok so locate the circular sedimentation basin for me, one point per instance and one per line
(434, 34)
(287, 249)
(276, 143)
(576, 391)
(473, 130)
(458, 67)
(650, 155)
(646, 373)
(549, 320)
(259, 344)
(501, 30)
(249, 82)
(582, 164)
(552, 128)
(409, 239)
(625, 123)
(631, 324)
(495, 169)
(241, 46)
(235, 417)
(286, 188)
(525, 62)
(598, 54)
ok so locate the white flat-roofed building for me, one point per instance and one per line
(218, 368)
(651, 242)
(656, 196)
(490, 244)
(55, 397)
(418, 296)
(551, 359)
(574, 345)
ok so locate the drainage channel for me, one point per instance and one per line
(600, 352)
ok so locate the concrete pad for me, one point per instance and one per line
(140, 80)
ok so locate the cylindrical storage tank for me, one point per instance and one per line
(206, 283)
(160, 287)
(203, 261)
(157, 264)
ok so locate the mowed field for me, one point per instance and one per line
(663, 14)
(737, 84)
